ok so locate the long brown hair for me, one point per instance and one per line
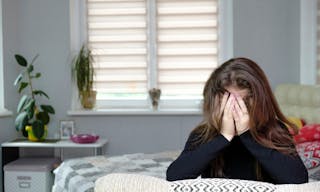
(263, 109)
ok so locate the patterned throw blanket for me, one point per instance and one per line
(79, 175)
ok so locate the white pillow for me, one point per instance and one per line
(306, 187)
(235, 185)
(123, 182)
(221, 185)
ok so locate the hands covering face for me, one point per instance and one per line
(235, 117)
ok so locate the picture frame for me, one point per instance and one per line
(66, 129)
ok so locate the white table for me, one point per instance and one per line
(10, 150)
(60, 144)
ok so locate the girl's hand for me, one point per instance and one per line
(240, 115)
(228, 127)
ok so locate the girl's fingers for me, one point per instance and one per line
(240, 116)
(235, 112)
(242, 106)
(224, 101)
(229, 104)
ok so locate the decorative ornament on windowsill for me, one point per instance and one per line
(154, 94)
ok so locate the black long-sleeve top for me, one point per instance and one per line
(240, 156)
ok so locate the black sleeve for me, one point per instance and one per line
(281, 168)
(191, 163)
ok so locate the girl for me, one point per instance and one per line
(243, 134)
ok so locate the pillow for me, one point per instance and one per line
(305, 187)
(219, 184)
(231, 185)
(297, 121)
(307, 133)
(309, 153)
(124, 182)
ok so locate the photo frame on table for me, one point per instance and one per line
(66, 129)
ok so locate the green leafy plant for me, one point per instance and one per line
(83, 73)
(29, 110)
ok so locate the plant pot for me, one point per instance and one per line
(32, 137)
(88, 99)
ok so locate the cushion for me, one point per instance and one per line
(221, 185)
(297, 121)
(234, 185)
(306, 187)
(309, 153)
(123, 182)
(309, 132)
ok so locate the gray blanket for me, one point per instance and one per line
(79, 175)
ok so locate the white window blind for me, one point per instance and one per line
(141, 44)
(187, 45)
(117, 36)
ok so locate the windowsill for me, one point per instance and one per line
(5, 113)
(95, 112)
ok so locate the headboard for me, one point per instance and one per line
(302, 101)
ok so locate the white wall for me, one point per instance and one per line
(266, 31)
(308, 41)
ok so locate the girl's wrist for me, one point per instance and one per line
(227, 136)
(242, 131)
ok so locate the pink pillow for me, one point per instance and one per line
(309, 153)
(309, 132)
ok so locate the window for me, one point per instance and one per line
(141, 44)
(3, 110)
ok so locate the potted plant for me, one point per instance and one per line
(83, 73)
(32, 117)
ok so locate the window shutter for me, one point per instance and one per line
(187, 42)
(117, 36)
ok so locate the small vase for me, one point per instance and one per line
(88, 99)
(32, 137)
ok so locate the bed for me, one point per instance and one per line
(303, 102)
(79, 174)
(299, 101)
